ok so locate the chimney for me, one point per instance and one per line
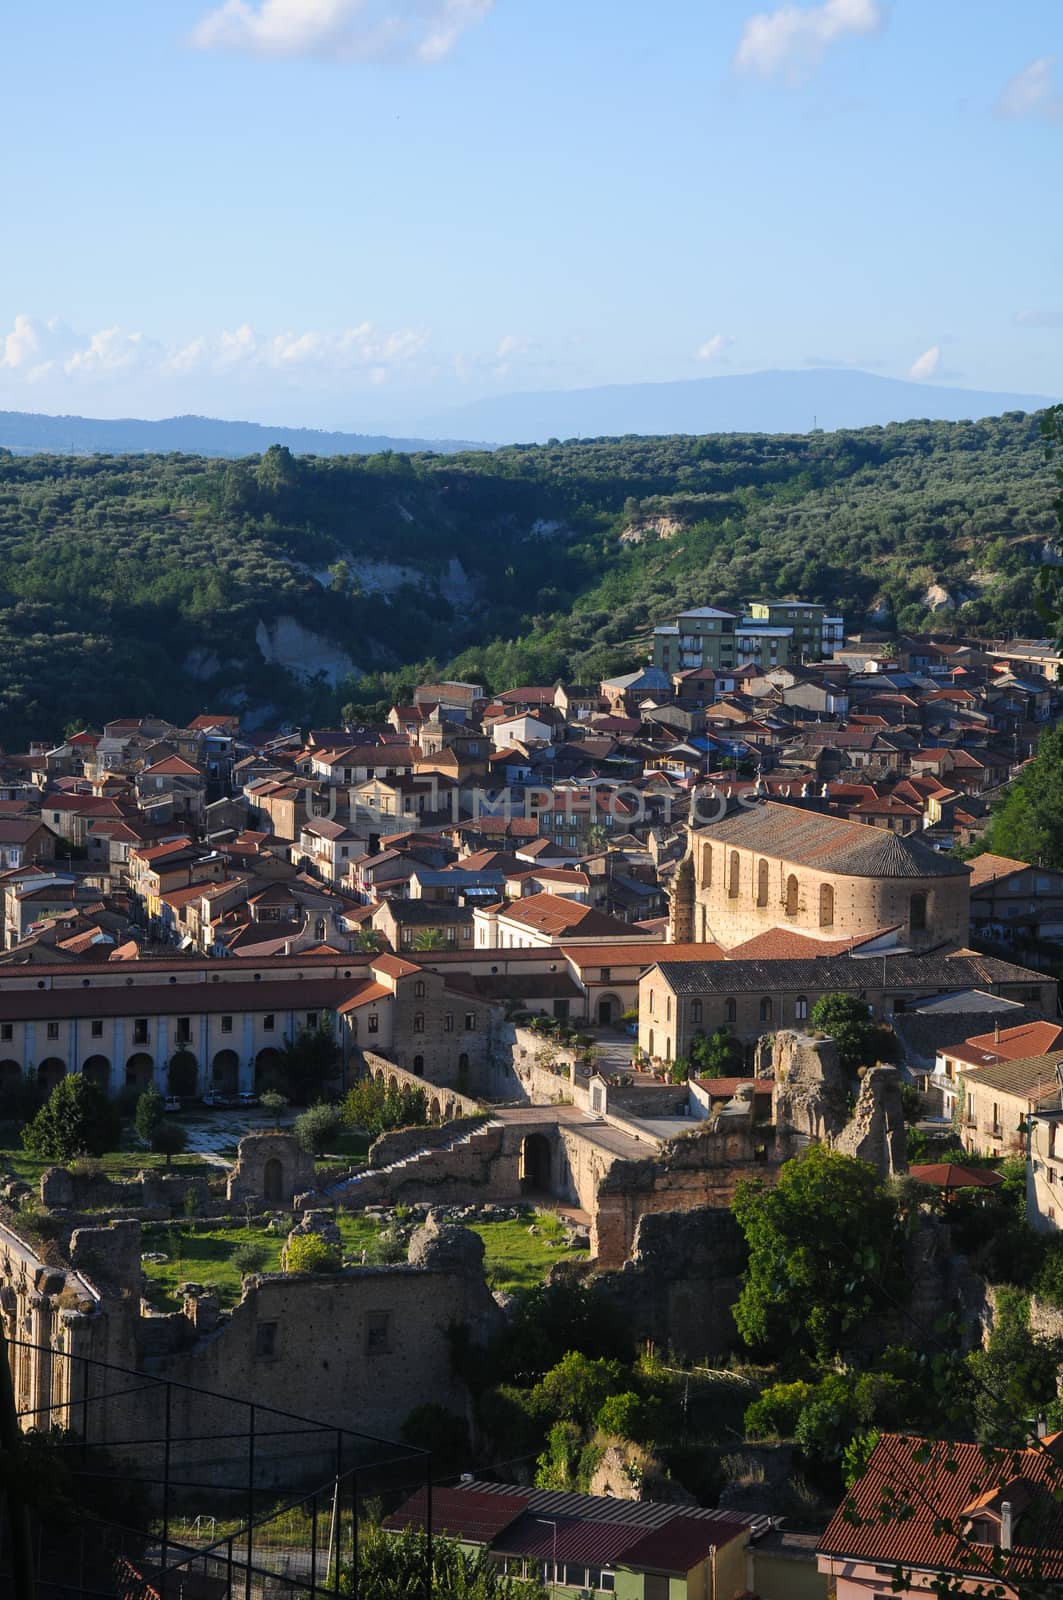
(1005, 1525)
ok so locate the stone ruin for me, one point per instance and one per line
(271, 1167)
(812, 1097)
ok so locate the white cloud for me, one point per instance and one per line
(345, 30)
(927, 364)
(35, 350)
(714, 348)
(1034, 318)
(1033, 93)
(790, 42)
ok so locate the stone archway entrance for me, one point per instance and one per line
(225, 1072)
(609, 1010)
(536, 1164)
(50, 1072)
(97, 1070)
(266, 1063)
(139, 1070)
(273, 1179)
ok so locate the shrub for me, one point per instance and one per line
(774, 1414)
(309, 1252)
(250, 1257)
(316, 1127)
(149, 1114)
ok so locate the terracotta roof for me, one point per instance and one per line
(172, 767)
(1011, 1044)
(930, 1497)
(777, 944)
(395, 966)
(987, 867)
(557, 915)
(637, 955)
(829, 844)
(1031, 1078)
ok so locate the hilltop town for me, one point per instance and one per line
(407, 1018)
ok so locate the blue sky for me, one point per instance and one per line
(362, 212)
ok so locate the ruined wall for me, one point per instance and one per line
(486, 1167)
(524, 1069)
(270, 1166)
(151, 1190)
(877, 1133)
(680, 1282)
(811, 1092)
(356, 1349)
(698, 1169)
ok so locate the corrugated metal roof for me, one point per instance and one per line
(475, 1517)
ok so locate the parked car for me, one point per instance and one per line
(172, 1103)
(248, 1099)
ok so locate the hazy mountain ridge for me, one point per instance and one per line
(32, 433)
(756, 402)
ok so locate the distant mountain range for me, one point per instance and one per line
(757, 402)
(30, 433)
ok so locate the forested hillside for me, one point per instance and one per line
(163, 583)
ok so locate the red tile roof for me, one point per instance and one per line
(930, 1498)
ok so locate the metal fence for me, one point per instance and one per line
(140, 1488)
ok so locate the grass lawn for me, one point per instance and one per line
(517, 1259)
(514, 1259)
(125, 1162)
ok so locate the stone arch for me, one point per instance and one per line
(536, 1164)
(225, 1072)
(762, 883)
(609, 1009)
(10, 1074)
(793, 895)
(435, 1110)
(139, 1070)
(734, 872)
(273, 1179)
(266, 1063)
(826, 905)
(182, 1075)
(97, 1070)
(50, 1072)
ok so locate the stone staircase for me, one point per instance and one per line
(434, 1163)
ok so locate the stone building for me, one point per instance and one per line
(680, 999)
(779, 866)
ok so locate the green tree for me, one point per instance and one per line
(149, 1114)
(377, 1109)
(433, 1427)
(316, 1127)
(1015, 1375)
(1027, 823)
(76, 1119)
(308, 1064)
(578, 1386)
(717, 1054)
(848, 1021)
(169, 1139)
(820, 1244)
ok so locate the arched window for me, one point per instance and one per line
(765, 1009)
(418, 989)
(917, 913)
(706, 867)
(762, 883)
(732, 880)
(667, 1008)
(731, 1011)
(826, 905)
(791, 896)
(418, 1022)
(801, 1008)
